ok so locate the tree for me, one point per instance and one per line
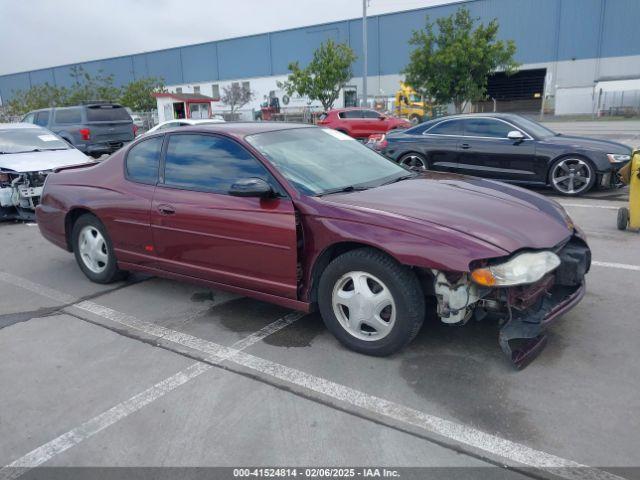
(324, 77)
(453, 65)
(138, 95)
(38, 96)
(236, 96)
(87, 87)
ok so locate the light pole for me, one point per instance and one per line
(364, 53)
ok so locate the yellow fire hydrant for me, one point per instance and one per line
(630, 175)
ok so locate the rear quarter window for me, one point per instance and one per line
(143, 161)
(68, 115)
(107, 113)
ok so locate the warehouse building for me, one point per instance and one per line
(577, 56)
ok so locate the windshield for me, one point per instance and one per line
(535, 129)
(21, 140)
(318, 161)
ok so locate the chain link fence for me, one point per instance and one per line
(624, 103)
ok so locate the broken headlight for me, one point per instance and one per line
(522, 269)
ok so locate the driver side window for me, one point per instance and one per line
(486, 127)
(208, 163)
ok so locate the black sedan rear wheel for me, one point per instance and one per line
(572, 176)
(414, 160)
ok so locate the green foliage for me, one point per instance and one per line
(137, 95)
(85, 88)
(454, 63)
(39, 96)
(325, 76)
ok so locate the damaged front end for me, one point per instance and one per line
(20, 194)
(524, 310)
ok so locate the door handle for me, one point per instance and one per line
(166, 210)
(465, 146)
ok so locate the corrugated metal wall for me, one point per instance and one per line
(544, 31)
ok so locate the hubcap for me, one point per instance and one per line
(93, 249)
(571, 175)
(413, 161)
(364, 306)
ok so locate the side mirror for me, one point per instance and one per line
(251, 187)
(382, 117)
(515, 135)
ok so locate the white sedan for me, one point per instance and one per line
(27, 154)
(183, 122)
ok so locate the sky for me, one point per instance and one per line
(45, 33)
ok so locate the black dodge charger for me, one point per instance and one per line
(510, 148)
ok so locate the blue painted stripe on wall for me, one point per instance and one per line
(544, 31)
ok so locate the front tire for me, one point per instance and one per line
(93, 250)
(370, 302)
(572, 176)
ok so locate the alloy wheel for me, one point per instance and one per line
(571, 176)
(415, 161)
(364, 306)
(93, 249)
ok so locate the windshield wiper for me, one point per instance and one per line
(349, 188)
(41, 150)
(399, 179)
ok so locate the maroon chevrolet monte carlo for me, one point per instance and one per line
(307, 217)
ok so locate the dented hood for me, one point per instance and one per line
(41, 161)
(508, 217)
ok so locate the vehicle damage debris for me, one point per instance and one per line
(20, 193)
(28, 153)
(524, 311)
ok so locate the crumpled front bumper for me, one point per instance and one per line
(530, 332)
(533, 308)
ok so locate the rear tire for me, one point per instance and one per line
(623, 218)
(93, 250)
(414, 161)
(387, 302)
(415, 119)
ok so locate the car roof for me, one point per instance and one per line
(242, 129)
(18, 126)
(504, 116)
(348, 109)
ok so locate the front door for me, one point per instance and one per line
(201, 231)
(485, 151)
(373, 122)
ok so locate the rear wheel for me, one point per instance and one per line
(94, 251)
(415, 119)
(572, 176)
(370, 302)
(414, 160)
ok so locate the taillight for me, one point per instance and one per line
(135, 130)
(85, 133)
(378, 141)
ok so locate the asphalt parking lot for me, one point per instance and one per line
(151, 372)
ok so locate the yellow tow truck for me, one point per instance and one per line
(409, 104)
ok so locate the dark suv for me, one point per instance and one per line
(94, 128)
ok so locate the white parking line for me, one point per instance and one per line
(459, 433)
(623, 266)
(590, 205)
(73, 437)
